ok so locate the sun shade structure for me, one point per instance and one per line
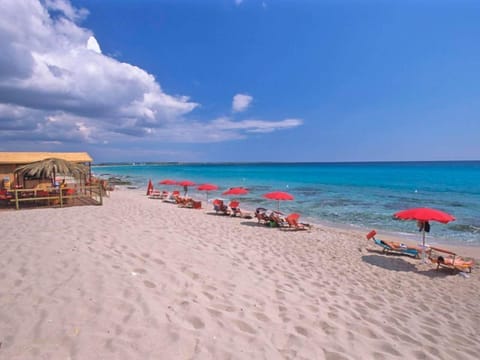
(424, 215)
(167, 182)
(185, 184)
(49, 168)
(236, 191)
(279, 196)
(207, 188)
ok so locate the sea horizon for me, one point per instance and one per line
(277, 162)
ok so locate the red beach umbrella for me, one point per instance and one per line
(207, 188)
(279, 196)
(236, 191)
(149, 187)
(424, 215)
(167, 182)
(185, 184)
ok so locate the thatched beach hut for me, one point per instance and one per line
(12, 161)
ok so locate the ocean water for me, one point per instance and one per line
(363, 195)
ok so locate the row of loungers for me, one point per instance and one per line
(440, 257)
(277, 219)
(175, 198)
(267, 217)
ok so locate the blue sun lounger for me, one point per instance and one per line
(395, 247)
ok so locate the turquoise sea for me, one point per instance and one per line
(363, 195)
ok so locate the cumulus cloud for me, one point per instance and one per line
(52, 66)
(241, 102)
(56, 86)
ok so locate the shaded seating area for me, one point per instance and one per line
(49, 179)
(448, 259)
(394, 247)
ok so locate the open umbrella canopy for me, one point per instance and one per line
(424, 214)
(167, 182)
(185, 183)
(49, 168)
(236, 191)
(207, 187)
(278, 195)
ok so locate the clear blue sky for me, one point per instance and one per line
(243, 80)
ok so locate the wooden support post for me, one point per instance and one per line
(100, 192)
(17, 204)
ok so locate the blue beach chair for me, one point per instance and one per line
(395, 247)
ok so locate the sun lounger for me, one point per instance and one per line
(276, 219)
(395, 247)
(155, 194)
(191, 204)
(235, 208)
(220, 207)
(260, 214)
(450, 260)
(293, 224)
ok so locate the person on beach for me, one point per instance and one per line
(423, 225)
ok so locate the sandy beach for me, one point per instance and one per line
(138, 278)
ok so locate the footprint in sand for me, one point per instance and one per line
(196, 322)
(149, 284)
(245, 327)
(301, 331)
(261, 316)
(159, 261)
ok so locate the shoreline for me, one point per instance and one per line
(138, 278)
(465, 250)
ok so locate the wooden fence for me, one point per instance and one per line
(68, 196)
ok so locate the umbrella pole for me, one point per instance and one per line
(423, 245)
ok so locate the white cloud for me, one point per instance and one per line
(238, 2)
(50, 65)
(92, 44)
(241, 102)
(56, 86)
(222, 129)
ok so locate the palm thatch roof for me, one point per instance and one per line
(18, 158)
(49, 168)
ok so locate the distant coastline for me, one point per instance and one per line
(262, 163)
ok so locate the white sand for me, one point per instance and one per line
(142, 279)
